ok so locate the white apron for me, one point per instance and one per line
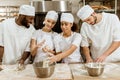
(48, 37)
(63, 44)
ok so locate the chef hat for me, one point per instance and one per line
(68, 17)
(52, 15)
(85, 12)
(27, 10)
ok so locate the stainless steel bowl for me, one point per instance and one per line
(43, 72)
(95, 69)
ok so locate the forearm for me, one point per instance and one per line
(112, 48)
(52, 51)
(86, 52)
(1, 52)
(62, 55)
(34, 51)
(68, 52)
(24, 57)
(34, 46)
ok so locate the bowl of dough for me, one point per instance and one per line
(43, 69)
(95, 69)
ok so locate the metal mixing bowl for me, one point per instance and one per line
(95, 69)
(43, 72)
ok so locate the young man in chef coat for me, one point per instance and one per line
(15, 35)
(100, 31)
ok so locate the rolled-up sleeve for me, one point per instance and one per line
(85, 41)
(28, 47)
(77, 40)
(116, 28)
(34, 36)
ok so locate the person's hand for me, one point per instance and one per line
(21, 61)
(47, 50)
(88, 60)
(1, 66)
(101, 58)
(20, 65)
(55, 58)
(40, 44)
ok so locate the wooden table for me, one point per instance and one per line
(111, 72)
(62, 72)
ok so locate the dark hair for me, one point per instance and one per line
(74, 27)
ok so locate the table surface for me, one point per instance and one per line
(62, 72)
(111, 72)
(9, 72)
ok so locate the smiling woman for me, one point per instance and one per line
(69, 40)
(42, 40)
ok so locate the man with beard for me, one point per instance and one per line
(15, 35)
(100, 35)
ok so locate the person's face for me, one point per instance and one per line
(91, 19)
(27, 20)
(49, 23)
(66, 27)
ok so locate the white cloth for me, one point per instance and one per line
(15, 40)
(85, 12)
(27, 10)
(68, 17)
(40, 35)
(62, 44)
(101, 36)
(52, 15)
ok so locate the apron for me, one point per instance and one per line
(65, 44)
(48, 37)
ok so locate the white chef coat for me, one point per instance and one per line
(15, 39)
(62, 44)
(101, 36)
(39, 36)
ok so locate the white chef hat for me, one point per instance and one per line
(27, 10)
(68, 17)
(85, 12)
(52, 15)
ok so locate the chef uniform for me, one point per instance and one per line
(101, 35)
(14, 38)
(41, 35)
(62, 43)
